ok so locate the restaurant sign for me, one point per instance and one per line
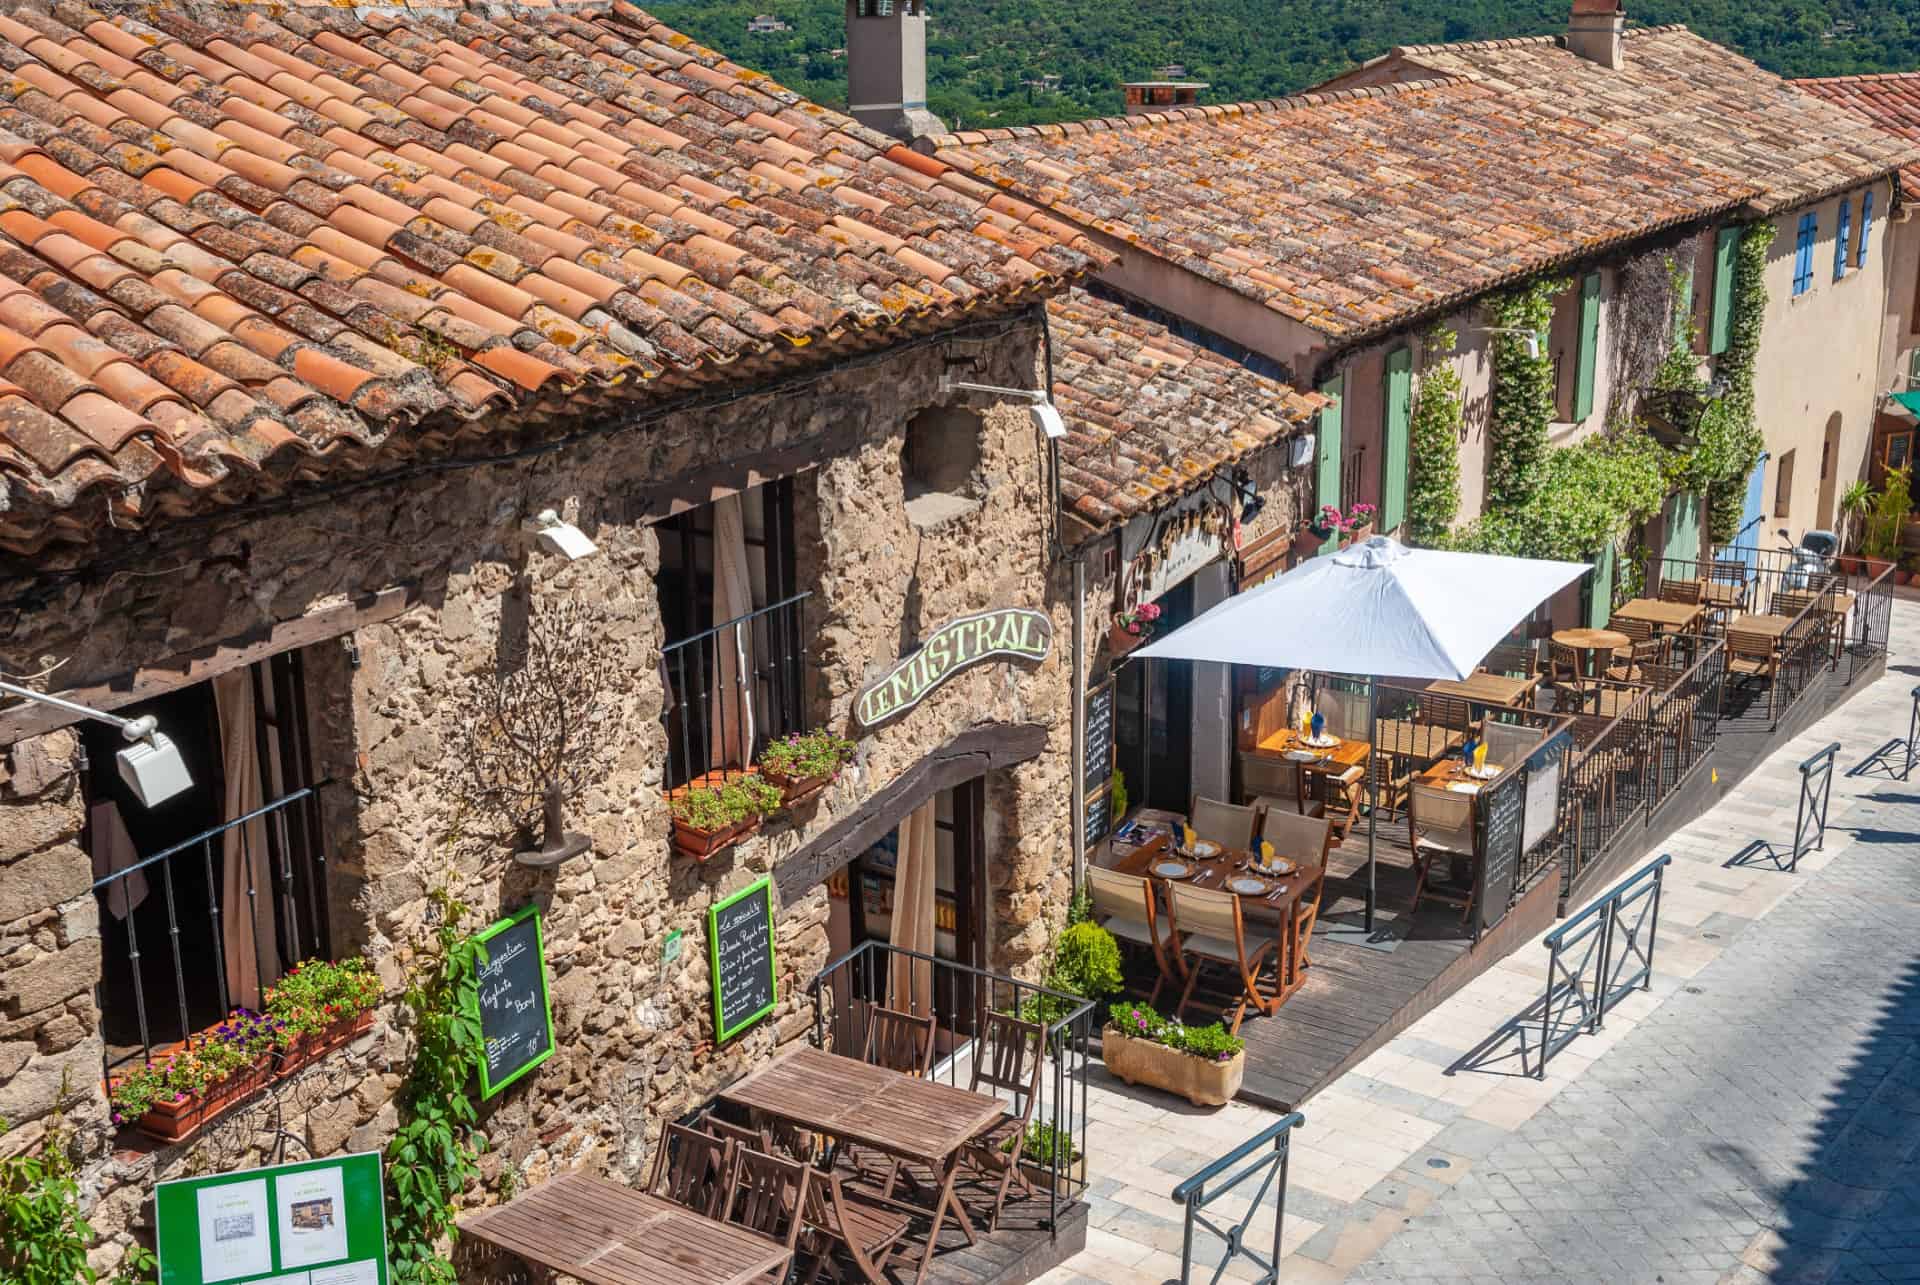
(1013, 632)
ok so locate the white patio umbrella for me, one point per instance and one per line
(1376, 608)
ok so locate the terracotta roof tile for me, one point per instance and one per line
(1352, 210)
(1891, 101)
(1681, 92)
(232, 231)
(1149, 414)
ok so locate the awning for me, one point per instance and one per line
(1908, 402)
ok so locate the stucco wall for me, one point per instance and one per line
(633, 1037)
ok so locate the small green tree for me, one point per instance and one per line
(1522, 394)
(1434, 494)
(1890, 508)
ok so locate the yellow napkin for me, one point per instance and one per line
(1306, 723)
(1187, 837)
(1266, 852)
(1479, 757)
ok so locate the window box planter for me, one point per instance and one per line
(1121, 640)
(710, 818)
(309, 1048)
(795, 790)
(1073, 1176)
(182, 1117)
(1201, 1081)
(803, 764)
(703, 844)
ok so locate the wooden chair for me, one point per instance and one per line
(1508, 744)
(1304, 839)
(1271, 777)
(1009, 1060)
(1441, 823)
(1637, 630)
(1306, 913)
(1643, 654)
(1391, 779)
(1822, 610)
(1441, 710)
(739, 1135)
(1211, 931)
(694, 1169)
(1228, 824)
(1563, 665)
(1751, 656)
(1514, 660)
(769, 1195)
(839, 1218)
(1125, 906)
(1339, 797)
(1689, 592)
(898, 1041)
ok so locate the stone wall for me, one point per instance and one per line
(633, 1036)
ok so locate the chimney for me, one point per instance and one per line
(887, 67)
(1596, 32)
(1144, 96)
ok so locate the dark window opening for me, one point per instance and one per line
(940, 464)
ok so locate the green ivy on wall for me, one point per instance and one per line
(1522, 394)
(1434, 493)
(1589, 496)
(1730, 440)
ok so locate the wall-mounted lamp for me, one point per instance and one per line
(1046, 416)
(1531, 336)
(556, 536)
(150, 765)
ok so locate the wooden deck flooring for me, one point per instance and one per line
(1020, 1250)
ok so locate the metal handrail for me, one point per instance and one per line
(1193, 1193)
(755, 614)
(1816, 796)
(1599, 928)
(214, 832)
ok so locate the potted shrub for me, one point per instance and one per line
(1086, 963)
(172, 1098)
(711, 818)
(804, 764)
(1132, 627)
(1037, 1158)
(1856, 503)
(1203, 1064)
(1359, 522)
(321, 1005)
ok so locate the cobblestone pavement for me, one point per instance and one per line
(1746, 1136)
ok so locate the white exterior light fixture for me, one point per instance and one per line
(557, 536)
(1046, 416)
(151, 765)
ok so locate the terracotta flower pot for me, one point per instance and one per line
(1120, 640)
(795, 789)
(181, 1118)
(703, 844)
(1200, 1081)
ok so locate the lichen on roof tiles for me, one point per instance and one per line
(271, 229)
(1890, 100)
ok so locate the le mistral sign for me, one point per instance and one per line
(1014, 632)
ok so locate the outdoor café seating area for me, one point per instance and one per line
(895, 1150)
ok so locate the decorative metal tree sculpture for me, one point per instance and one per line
(536, 739)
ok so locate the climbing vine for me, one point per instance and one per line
(435, 1154)
(1730, 439)
(1588, 497)
(1434, 492)
(1522, 394)
(1679, 367)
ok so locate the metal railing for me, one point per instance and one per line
(1810, 814)
(1597, 957)
(961, 997)
(1895, 758)
(295, 922)
(1268, 1152)
(1870, 624)
(733, 688)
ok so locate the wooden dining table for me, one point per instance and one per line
(607, 1233)
(909, 1118)
(1774, 627)
(1329, 760)
(1669, 617)
(1487, 689)
(1412, 739)
(1451, 771)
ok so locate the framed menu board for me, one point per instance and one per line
(516, 1016)
(317, 1222)
(740, 950)
(1098, 780)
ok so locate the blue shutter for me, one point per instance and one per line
(1842, 239)
(1866, 228)
(1803, 253)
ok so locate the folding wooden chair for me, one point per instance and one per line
(1125, 906)
(898, 1041)
(1009, 1059)
(1441, 825)
(769, 1195)
(1751, 656)
(842, 1219)
(1211, 930)
(694, 1169)
(1228, 824)
(1267, 779)
(1689, 592)
(1641, 655)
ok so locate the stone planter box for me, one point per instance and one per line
(1203, 1083)
(1073, 1176)
(703, 844)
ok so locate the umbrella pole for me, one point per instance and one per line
(1373, 798)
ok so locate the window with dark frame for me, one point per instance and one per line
(768, 643)
(202, 906)
(1783, 486)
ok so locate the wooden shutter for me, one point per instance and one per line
(1589, 347)
(1726, 248)
(1327, 484)
(1600, 589)
(1399, 423)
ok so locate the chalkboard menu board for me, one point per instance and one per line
(1099, 763)
(516, 1017)
(1503, 813)
(740, 950)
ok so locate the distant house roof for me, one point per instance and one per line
(1682, 92)
(1891, 101)
(1356, 210)
(242, 243)
(1150, 415)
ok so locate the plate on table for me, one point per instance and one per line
(1247, 886)
(1302, 756)
(1320, 742)
(1278, 866)
(1463, 787)
(1486, 773)
(1172, 869)
(1204, 849)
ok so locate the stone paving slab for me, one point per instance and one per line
(1662, 1148)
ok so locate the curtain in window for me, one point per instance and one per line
(915, 876)
(730, 713)
(247, 920)
(112, 849)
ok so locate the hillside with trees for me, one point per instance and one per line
(1004, 62)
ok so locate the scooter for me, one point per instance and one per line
(1813, 559)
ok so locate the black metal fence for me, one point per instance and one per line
(1598, 957)
(1870, 624)
(961, 997)
(286, 919)
(733, 688)
(1810, 813)
(1266, 1154)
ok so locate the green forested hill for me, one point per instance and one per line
(982, 52)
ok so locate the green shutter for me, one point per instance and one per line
(1725, 247)
(1683, 531)
(1589, 346)
(1399, 422)
(1600, 600)
(1328, 483)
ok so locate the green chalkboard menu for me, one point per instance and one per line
(740, 952)
(516, 1016)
